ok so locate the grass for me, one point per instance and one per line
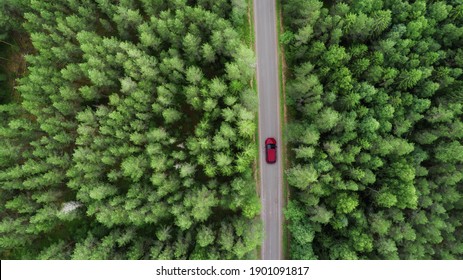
(283, 118)
(247, 29)
(249, 36)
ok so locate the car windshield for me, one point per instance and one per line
(271, 146)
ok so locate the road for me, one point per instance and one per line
(269, 126)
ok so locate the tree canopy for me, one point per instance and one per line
(374, 93)
(134, 134)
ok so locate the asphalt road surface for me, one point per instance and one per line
(269, 126)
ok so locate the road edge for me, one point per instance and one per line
(253, 84)
(284, 120)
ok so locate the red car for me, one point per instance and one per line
(271, 150)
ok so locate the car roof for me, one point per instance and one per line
(270, 140)
(271, 154)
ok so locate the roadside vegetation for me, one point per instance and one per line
(134, 134)
(375, 93)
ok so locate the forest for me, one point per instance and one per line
(127, 130)
(374, 93)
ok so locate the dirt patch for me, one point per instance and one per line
(15, 64)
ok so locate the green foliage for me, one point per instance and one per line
(374, 93)
(133, 137)
(301, 176)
